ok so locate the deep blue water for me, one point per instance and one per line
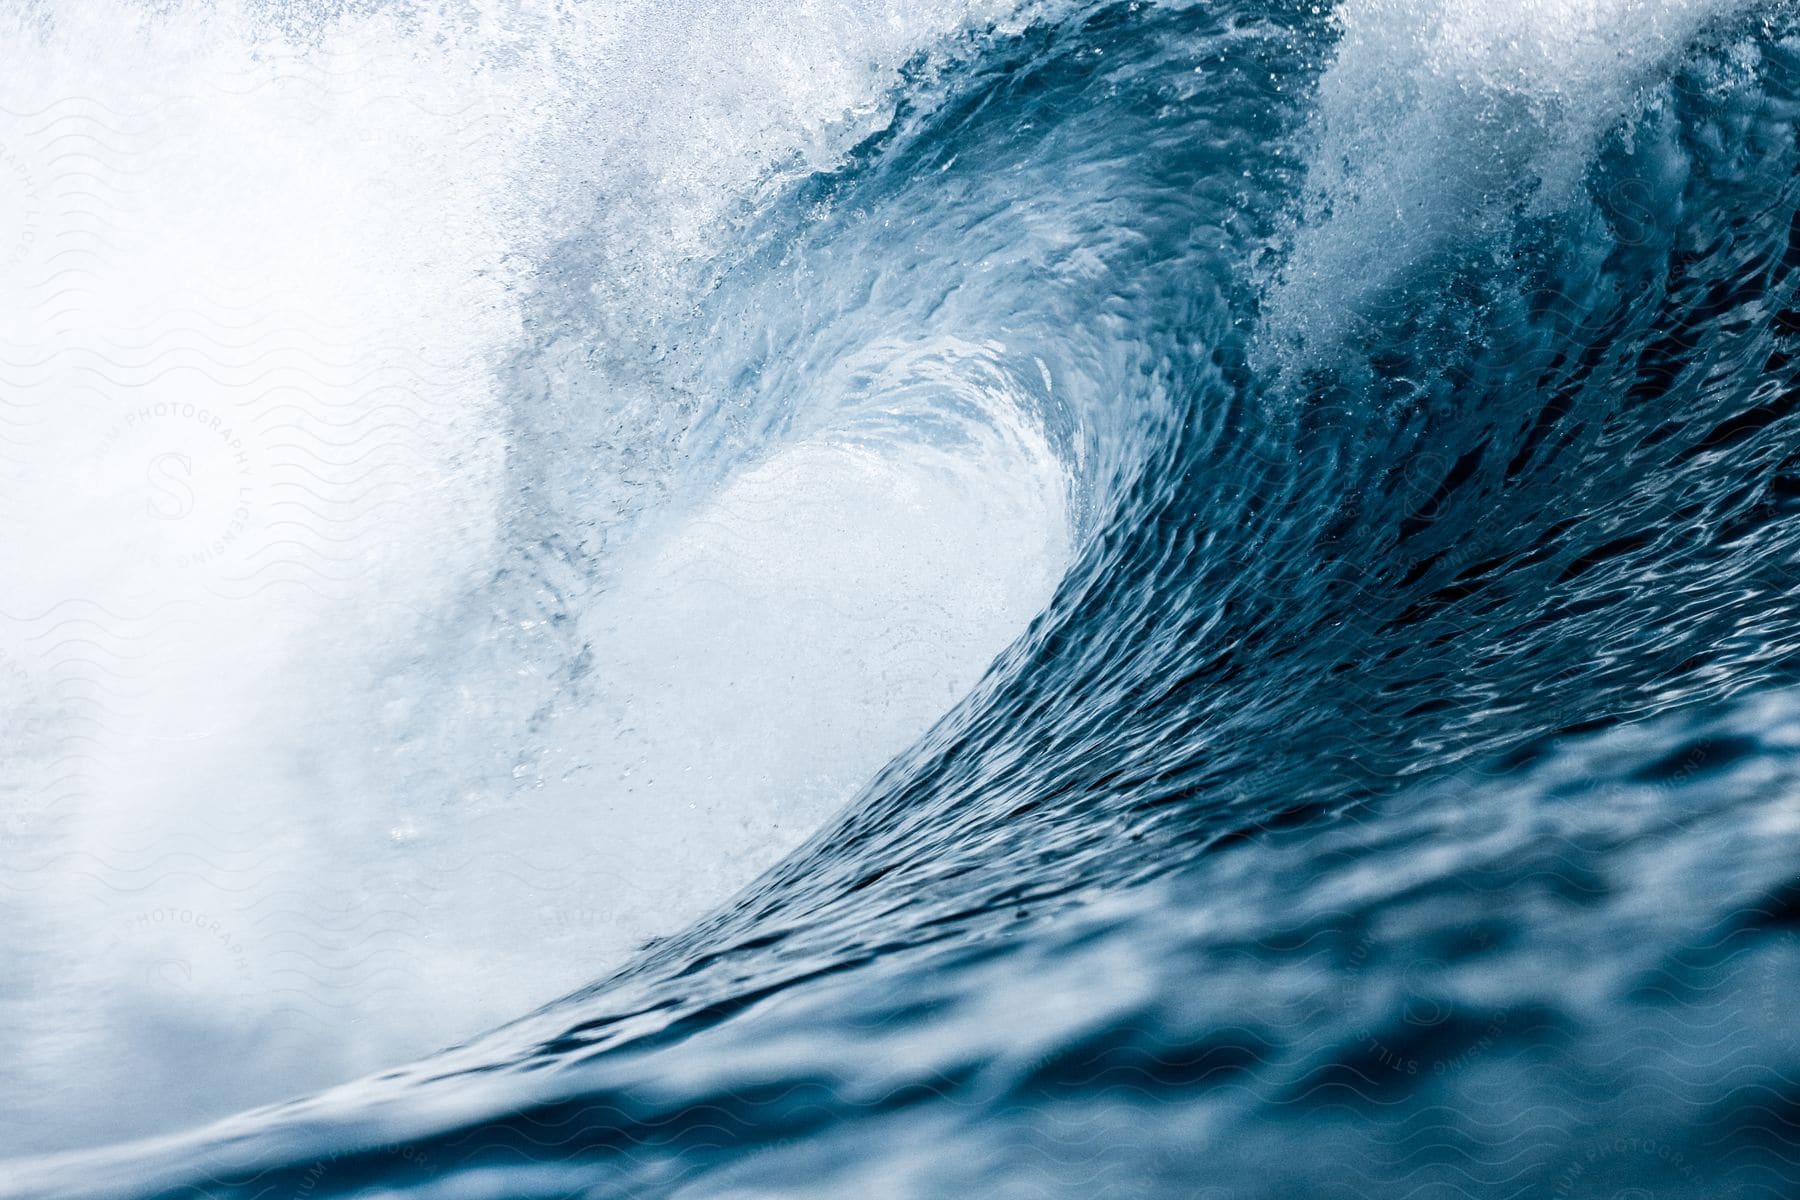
(1400, 796)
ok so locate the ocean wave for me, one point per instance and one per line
(1363, 439)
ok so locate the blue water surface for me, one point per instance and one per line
(1400, 796)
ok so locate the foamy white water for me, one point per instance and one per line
(306, 770)
(1438, 119)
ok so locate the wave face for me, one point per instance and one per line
(1395, 793)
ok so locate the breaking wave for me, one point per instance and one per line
(1131, 598)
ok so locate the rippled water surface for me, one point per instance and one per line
(1221, 576)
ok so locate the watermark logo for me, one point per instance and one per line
(192, 478)
(170, 476)
(21, 209)
(1608, 1168)
(1418, 1002)
(189, 952)
(395, 1156)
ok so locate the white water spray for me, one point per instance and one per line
(266, 824)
